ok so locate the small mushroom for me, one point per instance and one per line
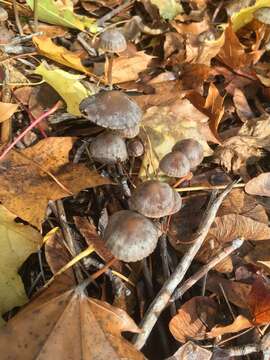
(192, 149)
(130, 236)
(111, 109)
(175, 164)
(155, 199)
(108, 148)
(5, 34)
(135, 148)
(111, 41)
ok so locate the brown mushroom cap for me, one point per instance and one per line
(130, 236)
(129, 133)
(3, 14)
(112, 40)
(175, 164)
(108, 148)
(263, 15)
(135, 148)
(192, 149)
(155, 199)
(111, 109)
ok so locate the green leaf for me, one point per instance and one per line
(67, 85)
(17, 242)
(62, 13)
(168, 9)
(245, 15)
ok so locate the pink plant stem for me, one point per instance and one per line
(30, 127)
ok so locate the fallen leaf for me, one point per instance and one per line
(42, 98)
(191, 351)
(239, 323)
(162, 128)
(194, 28)
(67, 85)
(193, 319)
(7, 110)
(260, 255)
(17, 242)
(51, 31)
(168, 9)
(259, 302)
(259, 185)
(47, 48)
(242, 107)
(94, 330)
(245, 15)
(27, 186)
(127, 68)
(61, 13)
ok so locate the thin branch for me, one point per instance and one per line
(114, 12)
(204, 269)
(6, 126)
(17, 18)
(163, 297)
(35, 15)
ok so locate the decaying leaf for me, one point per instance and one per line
(27, 178)
(191, 351)
(42, 98)
(51, 31)
(67, 85)
(162, 128)
(260, 185)
(17, 242)
(68, 326)
(259, 302)
(7, 110)
(61, 13)
(127, 68)
(47, 48)
(259, 255)
(193, 319)
(168, 9)
(241, 106)
(240, 323)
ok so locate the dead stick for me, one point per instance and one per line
(163, 297)
(207, 267)
(6, 128)
(112, 13)
(17, 18)
(35, 15)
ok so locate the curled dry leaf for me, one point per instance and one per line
(17, 242)
(240, 323)
(260, 185)
(193, 319)
(242, 107)
(7, 110)
(260, 255)
(259, 302)
(27, 178)
(191, 351)
(127, 68)
(68, 326)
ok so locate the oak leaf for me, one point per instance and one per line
(28, 178)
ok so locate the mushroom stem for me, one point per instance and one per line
(109, 58)
(35, 15)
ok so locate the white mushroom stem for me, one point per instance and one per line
(165, 293)
(109, 58)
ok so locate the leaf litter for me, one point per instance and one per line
(193, 79)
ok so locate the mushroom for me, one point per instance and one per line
(111, 41)
(111, 109)
(130, 236)
(129, 133)
(108, 148)
(192, 149)
(5, 34)
(175, 164)
(135, 148)
(155, 199)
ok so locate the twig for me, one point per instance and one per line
(239, 350)
(211, 187)
(163, 297)
(6, 127)
(227, 301)
(112, 13)
(22, 39)
(17, 18)
(30, 127)
(204, 269)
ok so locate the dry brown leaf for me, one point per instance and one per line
(240, 323)
(42, 97)
(194, 28)
(52, 31)
(68, 326)
(7, 110)
(259, 302)
(241, 105)
(260, 185)
(260, 255)
(26, 185)
(193, 319)
(191, 351)
(194, 75)
(127, 68)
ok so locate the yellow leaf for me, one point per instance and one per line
(244, 16)
(67, 85)
(47, 48)
(7, 110)
(17, 242)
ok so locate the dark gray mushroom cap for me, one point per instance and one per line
(112, 40)
(108, 148)
(192, 149)
(175, 164)
(155, 199)
(130, 236)
(135, 148)
(129, 133)
(263, 15)
(111, 109)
